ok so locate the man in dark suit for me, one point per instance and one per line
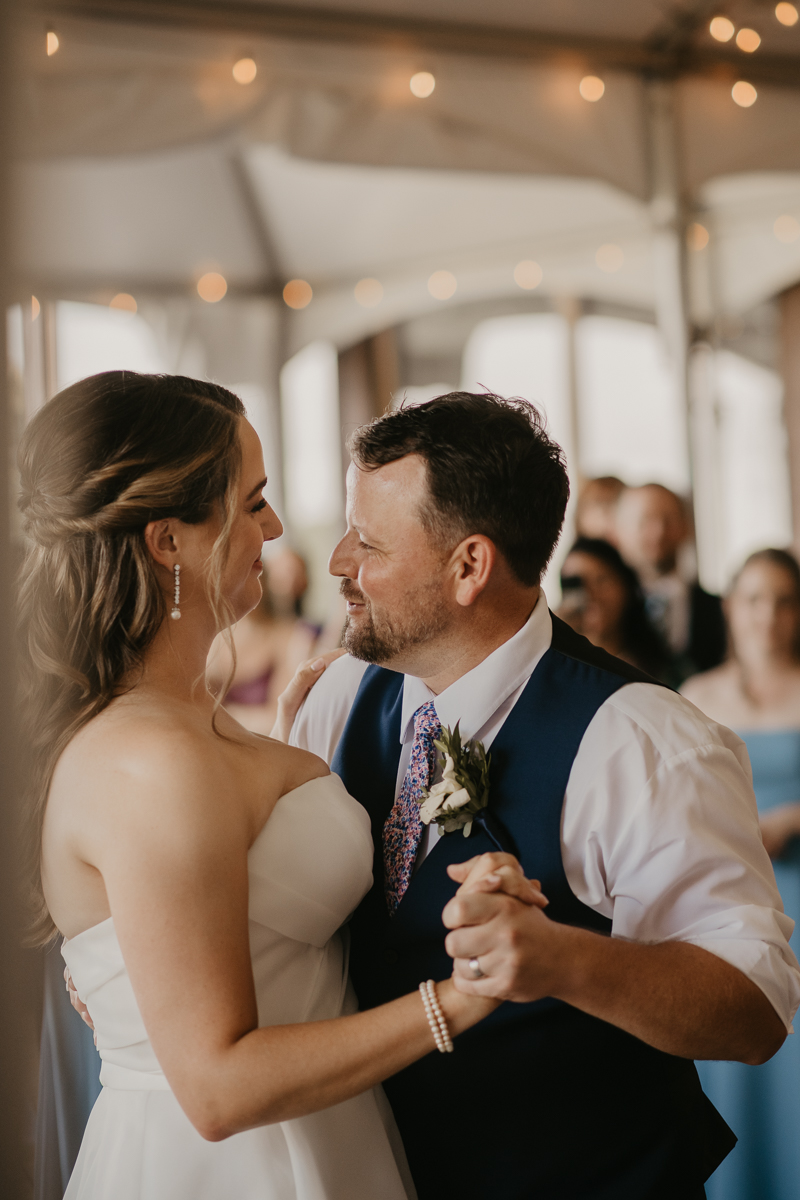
(651, 527)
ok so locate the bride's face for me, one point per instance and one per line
(254, 523)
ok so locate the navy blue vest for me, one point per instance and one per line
(539, 1101)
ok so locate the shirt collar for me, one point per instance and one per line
(476, 696)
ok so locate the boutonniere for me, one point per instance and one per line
(464, 788)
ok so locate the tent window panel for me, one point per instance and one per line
(631, 415)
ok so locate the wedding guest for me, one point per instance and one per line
(602, 599)
(596, 510)
(757, 692)
(270, 643)
(652, 527)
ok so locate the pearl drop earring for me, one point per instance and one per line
(176, 607)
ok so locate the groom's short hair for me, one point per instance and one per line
(492, 469)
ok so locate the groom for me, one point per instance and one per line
(664, 938)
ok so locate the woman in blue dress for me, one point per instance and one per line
(757, 693)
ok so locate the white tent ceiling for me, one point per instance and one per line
(147, 164)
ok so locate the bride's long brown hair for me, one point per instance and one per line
(97, 463)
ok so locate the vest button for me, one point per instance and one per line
(390, 957)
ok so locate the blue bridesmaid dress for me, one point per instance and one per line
(762, 1104)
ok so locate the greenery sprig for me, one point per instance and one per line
(464, 788)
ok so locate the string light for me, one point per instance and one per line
(787, 14)
(786, 228)
(52, 43)
(722, 29)
(124, 301)
(368, 292)
(297, 293)
(697, 236)
(591, 87)
(442, 285)
(211, 287)
(748, 40)
(245, 70)
(36, 308)
(609, 258)
(422, 84)
(527, 274)
(744, 94)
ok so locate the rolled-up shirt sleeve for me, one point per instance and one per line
(660, 833)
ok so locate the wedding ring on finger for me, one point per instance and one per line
(475, 967)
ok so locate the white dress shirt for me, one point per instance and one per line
(659, 830)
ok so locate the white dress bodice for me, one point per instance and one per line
(308, 869)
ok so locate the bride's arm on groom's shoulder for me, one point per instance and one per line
(170, 836)
(294, 694)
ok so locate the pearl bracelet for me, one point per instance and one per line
(436, 1018)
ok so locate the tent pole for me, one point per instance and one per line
(571, 309)
(20, 987)
(669, 215)
(790, 339)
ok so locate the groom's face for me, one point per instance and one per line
(394, 578)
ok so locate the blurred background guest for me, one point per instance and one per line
(270, 644)
(596, 510)
(757, 693)
(652, 527)
(602, 599)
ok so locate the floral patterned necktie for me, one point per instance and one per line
(403, 829)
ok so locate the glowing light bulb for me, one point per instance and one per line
(697, 236)
(422, 84)
(52, 43)
(245, 70)
(748, 40)
(297, 293)
(527, 274)
(721, 29)
(591, 87)
(786, 228)
(744, 94)
(36, 308)
(609, 258)
(368, 292)
(787, 14)
(124, 301)
(442, 285)
(211, 287)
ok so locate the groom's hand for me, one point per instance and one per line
(674, 995)
(519, 950)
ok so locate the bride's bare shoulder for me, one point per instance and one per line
(137, 745)
(155, 747)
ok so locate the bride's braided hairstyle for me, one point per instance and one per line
(97, 463)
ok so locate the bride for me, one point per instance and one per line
(199, 874)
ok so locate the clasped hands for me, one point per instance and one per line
(497, 917)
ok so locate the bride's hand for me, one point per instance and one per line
(77, 1003)
(295, 692)
(497, 872)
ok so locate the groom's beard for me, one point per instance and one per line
(380, 639)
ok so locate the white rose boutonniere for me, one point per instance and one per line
(464, 788)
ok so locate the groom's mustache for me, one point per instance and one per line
(350, 592)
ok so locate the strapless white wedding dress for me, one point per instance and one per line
(308, 869)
